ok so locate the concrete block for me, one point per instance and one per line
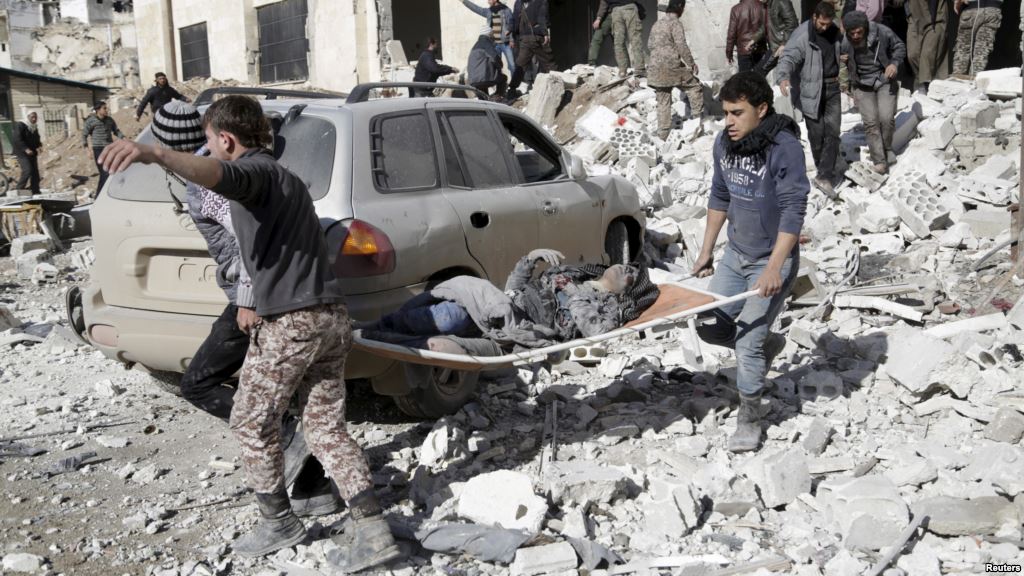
(845, 564)
(817, 437)
(949, 516)
(977, 115)
(596, 152)
(869, 510)
(923, 561)
(637, 170)
(45, 273)
(1007, 426)
(24, 244)
(823, 385)
(545, 97)
(21, 562)
(912, 472)
(505, 499)
(780, 476)
(939, 90)
(872, 214)
(987, 222)
(1003, 84)
(919, 208)
(998, 167)
(806, 333)
(862, 175)
(27, 262)
(548, 559)
(998, 464)
(586, 482)
(673, 511)
(599, 123)
(937, 132)
(913, 358)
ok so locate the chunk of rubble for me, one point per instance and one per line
(504, 499)
(869, 510)
(586, 482)
(598, 123)
(28, 243)
(914, 359)
(545, 97)
(949, 516)
(547, 559)
(22, 562)
(1002, 84)
(780, 476)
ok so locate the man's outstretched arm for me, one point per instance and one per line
(204, 171)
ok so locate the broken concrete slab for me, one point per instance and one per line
(22, 562)
(545, 97)
(977, 115)
(548, 559)
(25, 244)
(7, 319)
(1006, 426)
(1002, 84)
(939, 90)
(913, 358)
(937, 132)
(817, 437)
(987, 222)
(26, 263)
(780, 476)
(503, 498)
(585, 483)
(1000, 465)
(985, 323)
(599, 123)
(869, 510)
(949, 516)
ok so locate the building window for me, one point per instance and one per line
(283, 43)
(195, 52)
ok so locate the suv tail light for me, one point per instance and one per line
(364, 251)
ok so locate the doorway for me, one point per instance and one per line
(571, 31)
(413, 22)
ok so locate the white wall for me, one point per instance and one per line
(88, 11)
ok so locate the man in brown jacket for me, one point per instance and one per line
(747, 25)
(671, 65)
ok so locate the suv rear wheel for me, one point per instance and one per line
(616, 243)
(436, 391)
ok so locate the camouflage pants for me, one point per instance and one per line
(628, 32)
(975, 39)
(694, 92)
(303, 353)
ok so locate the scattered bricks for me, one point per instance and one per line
(982, 114)
(817, 437)
(1001, 84)
(913, 358)
(599, 123)
(1007, 426)
(937, 132)
(862, 175)
(545, 97)
(27, 262)
(504, 499)
(869, 510)
(948, 516)
(586, 482)
(987, 222)
(919, 208)
(549, 559)
(939, 90)
(25, 244)
(45, 273)
(779, 476)
(820, 384)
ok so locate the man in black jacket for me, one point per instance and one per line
(26, 144)
(531, 37)
(429, 70)
(161, 93)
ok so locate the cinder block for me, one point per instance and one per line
(873, 215)
(937, 132)
(862, 175)
(919, 208)
(939, 90)
(998, 167)
(820, 384)
(24, 244)
(1003, 84)
(977, 115)
(599, 123)
(989, 190)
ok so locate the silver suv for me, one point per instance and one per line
(409, 192)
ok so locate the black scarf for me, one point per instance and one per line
(498, 8)
(757, 142)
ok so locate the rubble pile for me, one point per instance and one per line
(896, 422)
(93, 54)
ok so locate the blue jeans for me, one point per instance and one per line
(425, 315)
(510, 58)
(743, 326)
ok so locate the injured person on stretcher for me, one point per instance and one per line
(469, 315)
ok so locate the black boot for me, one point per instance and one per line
(314, 494)
(367, 540)
(278, 528)
(748, 424)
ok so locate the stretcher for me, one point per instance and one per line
(675, 305)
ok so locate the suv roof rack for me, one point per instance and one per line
(361, 93)
(206, 96)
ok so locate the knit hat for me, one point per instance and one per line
(676, 5)
(178, 126)
(855, 19)
(486, 31)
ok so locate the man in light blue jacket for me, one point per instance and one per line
(499, 19)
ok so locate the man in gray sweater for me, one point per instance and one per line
(299, 330)
(102, 129)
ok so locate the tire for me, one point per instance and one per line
(617, 244)
(169, 382)
(436, 391)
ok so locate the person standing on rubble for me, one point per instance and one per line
(812, 56)
(927, 45)
(531, 38)
(627, 29)
(499, 21)
(781, 22)
(429, 70)
(300, 331)
(178, 126)
(26, 144)
(102, 128)
(760, 188)
(976, 36)
(746, 36)
(159, 94)
(672, 65)
(873, 54)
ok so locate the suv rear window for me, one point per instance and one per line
(402, 152)
(305, 146)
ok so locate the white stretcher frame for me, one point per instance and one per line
(471, 363)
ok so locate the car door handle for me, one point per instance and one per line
(550, 207)
(480, 219)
